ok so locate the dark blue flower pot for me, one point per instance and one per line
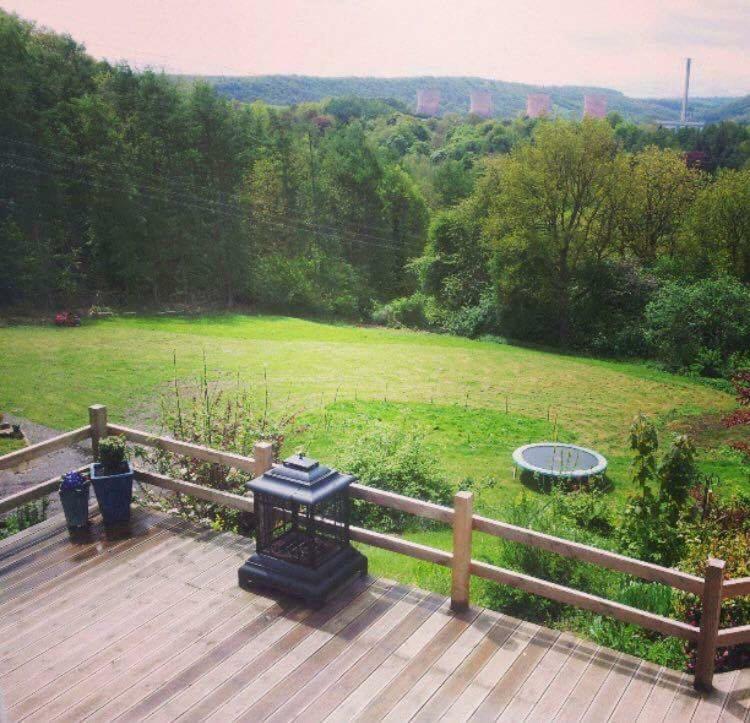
(75, 504)
(114, 493)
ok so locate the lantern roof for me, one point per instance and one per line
(301, 479)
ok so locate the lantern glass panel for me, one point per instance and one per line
(302, 534)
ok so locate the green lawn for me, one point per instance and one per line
(9, 445)
(474, 400)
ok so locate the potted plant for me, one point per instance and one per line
(112, 477)
(74, 496)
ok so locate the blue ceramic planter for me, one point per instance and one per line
(75, 504)
(114, 493)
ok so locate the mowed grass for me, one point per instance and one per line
(474, 400)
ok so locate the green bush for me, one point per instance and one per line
(410, 311)
(316, 284)
(113, 453)
(22, 517)
(395, 461)
(700, 326)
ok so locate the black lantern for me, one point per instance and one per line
(302, 531)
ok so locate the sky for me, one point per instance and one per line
(636, 46)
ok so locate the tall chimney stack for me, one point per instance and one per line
(683, 115)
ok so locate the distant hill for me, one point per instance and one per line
(509, 99)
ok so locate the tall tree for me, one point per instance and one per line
(554, 195)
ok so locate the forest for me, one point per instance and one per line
(125, 189)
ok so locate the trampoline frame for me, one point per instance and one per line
(598, 468)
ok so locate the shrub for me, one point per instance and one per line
(214, 414)
(317, 284)
(113, 453)
(394, 460)
(556, 515)
(725, 534)
(25, 516)
(408, 311)
(700, 326)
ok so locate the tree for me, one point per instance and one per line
(554, 195)
(720, 223)
(654, 191)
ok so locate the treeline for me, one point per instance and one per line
(508, 99)
(569, 240)
(126, 189)
(121, 187)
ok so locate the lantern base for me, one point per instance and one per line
(314, 585)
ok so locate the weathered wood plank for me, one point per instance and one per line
(486, 679)
(334, 692)
(392, 666)
(637, 693)
(530, 693)
(439, 670)
(333, 675)
(197, 451)
(238, 707)
(735, 588)
(219, 497)
(564, 683)
(405, 547)
(515, 676)
(596, 604)
(588, 686)
(586, 553)
(618, 680)
(99, 696)
(13, 459)
(340, 644)
(734, 636)
(455, 685)
(398, 687)
(304, 622)
(176, 614)
(162, 559)
(405, 504)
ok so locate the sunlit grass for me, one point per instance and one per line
(475, 400)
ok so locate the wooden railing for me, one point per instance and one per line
(711, 589)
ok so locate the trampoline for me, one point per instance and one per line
(554, 459)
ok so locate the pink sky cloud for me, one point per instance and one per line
(637, 47)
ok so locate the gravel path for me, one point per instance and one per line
(42, 468)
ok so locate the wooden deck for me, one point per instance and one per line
(153, 626)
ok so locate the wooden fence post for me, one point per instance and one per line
(98, 424)
(463, 510)
(710, 619)
(263, 456)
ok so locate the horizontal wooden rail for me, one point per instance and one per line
(594, 555)
(579, 599)
(219, 497)
(32, 493)
(13, 459)
(733, 636)
(737, 587)
(229, 459)
(405, 504)
(402, 546)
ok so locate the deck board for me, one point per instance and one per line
(152, 626)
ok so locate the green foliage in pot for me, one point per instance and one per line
(113, 454)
